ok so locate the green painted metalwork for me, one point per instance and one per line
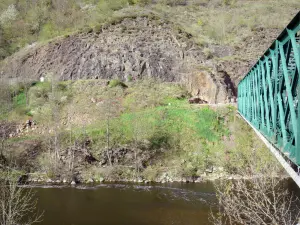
(268, 96)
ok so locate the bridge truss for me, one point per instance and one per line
(268, 96)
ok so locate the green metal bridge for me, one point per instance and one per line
(268, 98)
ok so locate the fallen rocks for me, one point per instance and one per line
(197, 100)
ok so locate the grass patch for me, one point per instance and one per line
(117, 83)
(148, 116)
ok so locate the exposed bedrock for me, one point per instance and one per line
(131, 49)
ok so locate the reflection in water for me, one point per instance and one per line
(122, 204)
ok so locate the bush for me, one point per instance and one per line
(39, 94)
(115, 83)
(140, 2)
(48, 31)
(106, 6)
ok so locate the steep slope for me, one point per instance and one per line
(131, 49)
(206, 45)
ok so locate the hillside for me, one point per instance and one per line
(207, 45)
(88, 130)
(99, 90)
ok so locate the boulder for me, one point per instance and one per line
(90, 180)
(197, 100)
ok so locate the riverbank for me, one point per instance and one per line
(36, 180)
(136, 131)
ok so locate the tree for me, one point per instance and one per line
(260, 200)
(112, 107)
(17, 205)
(109, 107)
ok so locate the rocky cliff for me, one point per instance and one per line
(136, 48)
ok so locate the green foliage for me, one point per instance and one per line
(229, 2)
(149, 116)
(222, 21)
(106, 5)
(20, 99)
(48, 31)
(39, 94)
(116, 83)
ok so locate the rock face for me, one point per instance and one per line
(131, 49)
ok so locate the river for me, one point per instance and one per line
(122, 204)
(129, 204)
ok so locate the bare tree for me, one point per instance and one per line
(111, 110)
(71, 152)
(17, 205)
(262, 199)
(55, 114)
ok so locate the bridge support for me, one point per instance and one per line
(293, 174)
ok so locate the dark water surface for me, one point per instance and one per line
(130, 204)
(125, 204)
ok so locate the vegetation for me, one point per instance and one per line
(227, 22)
(262, 199)
(95, 130)
(153, 121)
(17, 204)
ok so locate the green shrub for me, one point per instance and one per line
(20, 99)
(97, 29)
(61, 87)
(39, 94)
(140, 2)
(105, 6)
(22, 111)
(48, 31)
(115, 83)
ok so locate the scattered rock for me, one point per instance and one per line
(93, 100)
(23, 179)
(197, 100)
(90, 180)
(198, 180)
(189, 180)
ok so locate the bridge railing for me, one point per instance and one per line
(268, 96)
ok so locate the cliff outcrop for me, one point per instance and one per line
(127, 50)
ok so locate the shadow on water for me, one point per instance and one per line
(122, 204)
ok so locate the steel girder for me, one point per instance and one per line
(268, 96)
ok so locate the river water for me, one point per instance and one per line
(129, 204)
